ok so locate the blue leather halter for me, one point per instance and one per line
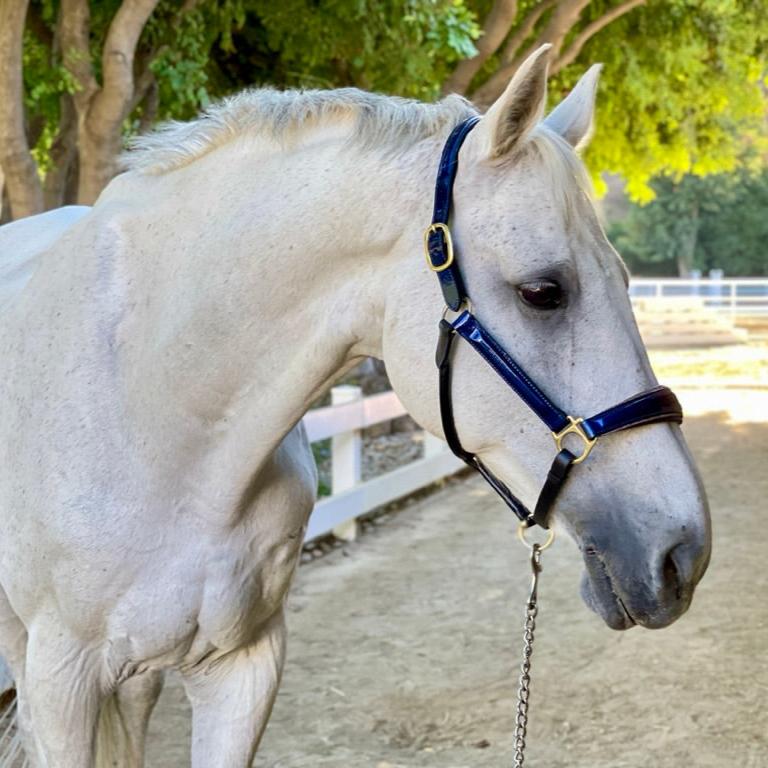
(655, 405)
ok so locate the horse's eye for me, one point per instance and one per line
(542, 294)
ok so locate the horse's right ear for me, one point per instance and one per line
(518, 109)
(573, 117)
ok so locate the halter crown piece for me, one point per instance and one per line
(655, 405)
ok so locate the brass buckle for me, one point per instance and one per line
(574, 427)
(448, 245)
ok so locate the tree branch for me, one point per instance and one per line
(578, 42)
(561, 22)
(144, 82)
(565, 17)
(21, 180)
(63, 154)
(525, 29)
(38, 27)
(114, 97)
(149, 108)
(74, 33)
(495, 28)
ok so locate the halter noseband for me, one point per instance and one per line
(655, 405)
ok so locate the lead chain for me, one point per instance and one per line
(524, 690)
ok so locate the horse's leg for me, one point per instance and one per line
(232, 699)
(123, 721)
(64, 690)
(13, 644)
(13, 639)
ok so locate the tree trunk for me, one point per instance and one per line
(98, 149)
(63, 156)
(25, 191)
(101, 109)
(505, 34)
(564, 17)
(495, 28)
(687, 251)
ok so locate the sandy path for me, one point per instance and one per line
(403, 650)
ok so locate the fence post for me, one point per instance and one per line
(346, 458)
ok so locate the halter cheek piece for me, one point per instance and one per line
(650, 407)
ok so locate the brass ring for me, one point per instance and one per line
(522, 528)
(465, 306)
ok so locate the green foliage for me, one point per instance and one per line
(401, 46)
(44, 82)
(321, 451)
(180, 64)
(681, 90)
(716, 222)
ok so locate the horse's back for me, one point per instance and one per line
(22, 243)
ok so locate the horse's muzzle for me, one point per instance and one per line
(626, 588)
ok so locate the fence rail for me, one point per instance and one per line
(747, 296)
(342, 421)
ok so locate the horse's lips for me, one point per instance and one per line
(598, 593)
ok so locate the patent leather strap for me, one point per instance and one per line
(469, 328)
(655, 405)
(437, 239)
(558, 472)
(649, 407)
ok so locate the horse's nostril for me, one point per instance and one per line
(671, 573)
(682, 568)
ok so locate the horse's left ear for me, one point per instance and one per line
(573, 117)
(518, 109)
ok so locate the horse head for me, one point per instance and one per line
(546, 283)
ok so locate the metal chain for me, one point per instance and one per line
(524, 691)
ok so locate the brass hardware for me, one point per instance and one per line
(465, 306)
(448, 245)
(521, 531)
(574, 428)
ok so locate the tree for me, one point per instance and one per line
(18, 168)
(681, 91)
(682, 82)
(716, 222)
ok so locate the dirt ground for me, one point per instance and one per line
(404, 647)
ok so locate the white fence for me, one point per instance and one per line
(343, 421)
(747, 296)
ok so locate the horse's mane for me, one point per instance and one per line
(384, 121)
(388, 122)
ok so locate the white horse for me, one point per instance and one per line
(155, 487)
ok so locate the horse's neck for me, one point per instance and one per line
(269, 283)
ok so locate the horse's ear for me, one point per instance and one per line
(519, 108)
(573, 117)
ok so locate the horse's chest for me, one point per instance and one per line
(244, 588)
(213, 600)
